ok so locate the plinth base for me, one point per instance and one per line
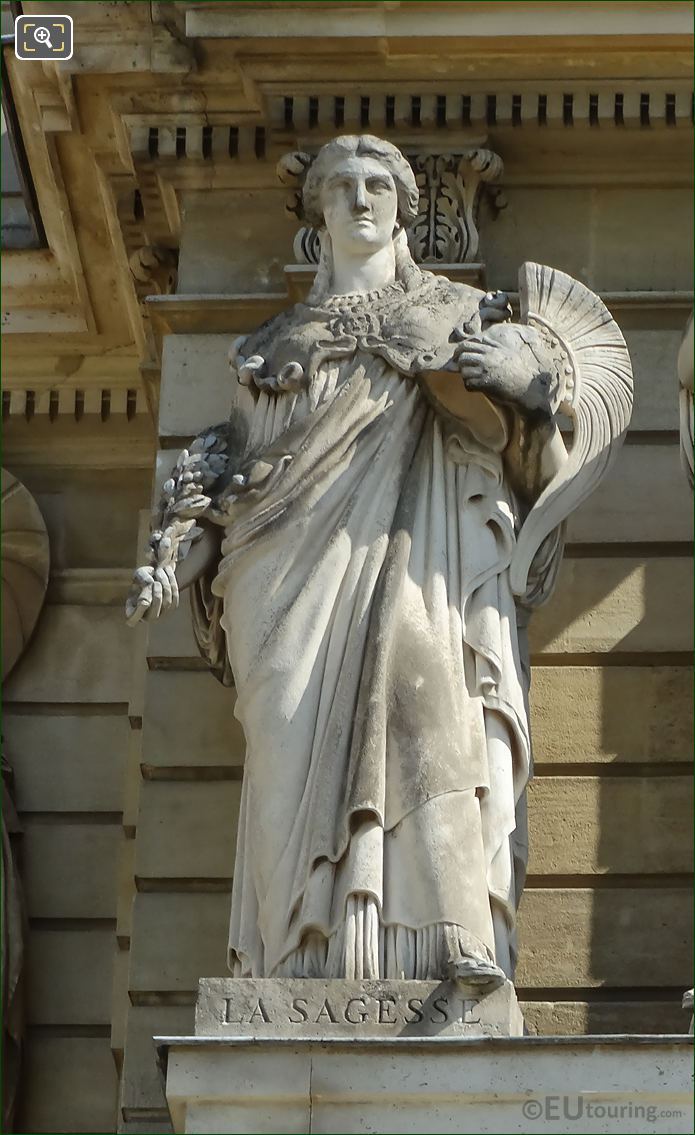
(413, 1085)
(316, 1008)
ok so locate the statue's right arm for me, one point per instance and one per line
(201, 558)
(187, 497)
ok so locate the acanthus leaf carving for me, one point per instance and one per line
(446, 229)
(154, 269)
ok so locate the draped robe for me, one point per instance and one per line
(372, 635)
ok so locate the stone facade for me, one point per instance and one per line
(153, 153)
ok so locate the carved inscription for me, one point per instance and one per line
(361, 1010)
(316, 1007)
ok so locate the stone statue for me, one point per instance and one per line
(25, 569)
(394, 513)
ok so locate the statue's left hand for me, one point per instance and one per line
(509, 363)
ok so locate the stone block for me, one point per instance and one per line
(653, 352)
(126, 889)
(70, 975)
(187, 830)
(177, 938)
(655, 261)
(78, 654)
(289, 1071)
(132, 783)
(534, 227)
(644, 498)
(576, 1018)
(141, 1083)
(70, 869)
(69, 1084)
(312, 1007)
(578, 714)
(92, 521)
(120, 1003)
(620, 604)
(287, 1116)
(253, 223)
(66, 763)
(189, 721)
(581, 825)
(198, 389)
(608, 936)
(171, 639)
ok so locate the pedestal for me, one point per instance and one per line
(305, 1056)
(409, 1085)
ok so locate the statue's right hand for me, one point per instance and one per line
(154, 590)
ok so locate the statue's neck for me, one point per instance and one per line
(363, 274)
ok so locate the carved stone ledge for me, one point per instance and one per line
(224, 313)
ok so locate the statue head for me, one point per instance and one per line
(360, 192)
(359, 174)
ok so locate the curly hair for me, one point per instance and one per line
(360, 145)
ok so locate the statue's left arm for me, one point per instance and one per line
(567, 355)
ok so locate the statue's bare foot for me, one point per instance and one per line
(475, 971)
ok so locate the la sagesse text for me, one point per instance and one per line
(361, 1010)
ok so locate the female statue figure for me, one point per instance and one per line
(396, 510)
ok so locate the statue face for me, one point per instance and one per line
(359, 203)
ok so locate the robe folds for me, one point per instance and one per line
(372, 633)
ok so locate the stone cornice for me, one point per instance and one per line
(431, 20)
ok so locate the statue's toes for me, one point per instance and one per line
(476, 972)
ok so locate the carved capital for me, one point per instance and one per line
(446, 228)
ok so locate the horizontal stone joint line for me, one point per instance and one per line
(60, 924)
(611, 769)
(192, 772)
(65, 709)
(608, 880)
(68, 1031)
(145, 1114)
(179, 664)
(645, 549)
(615, 658)
(152, 997)
(183, 885)
(73, 819)
(599, 995)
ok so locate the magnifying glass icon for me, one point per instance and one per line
(42, 35)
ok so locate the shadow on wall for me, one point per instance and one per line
(642, 912)
(622, 897)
